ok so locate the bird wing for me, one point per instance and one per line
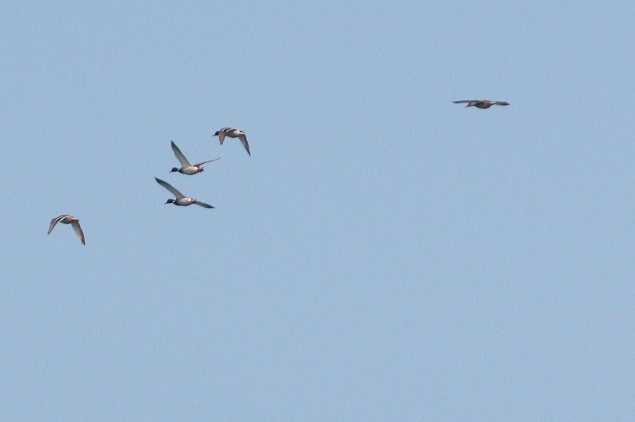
(54, 222)
(221, 136)
(243, 139)
(205, 162)
(463, 101)
(180, 156)
(502, 103)
(169, 187)
(78, 231)
(203, 204)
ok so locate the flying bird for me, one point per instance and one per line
(186, 167)
(181, 199)
(233, 133)
(481, 103)
(68, 219)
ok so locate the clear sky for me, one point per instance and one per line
(384, 254)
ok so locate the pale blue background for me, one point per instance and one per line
(384, 255)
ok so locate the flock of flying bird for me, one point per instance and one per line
(191, 169)
(180, 199)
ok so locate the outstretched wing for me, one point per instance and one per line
(205, 162)
(463, 101)
(54, 222)
(78, 231)
(243, 139)
(203, 204)
(503, 103)
(169, 187)
(180, 156)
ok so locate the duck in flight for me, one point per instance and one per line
(181, 199)
(233, 133)
(186, 167)
(481, 103)
(68, 219)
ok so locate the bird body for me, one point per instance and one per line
(68, 219)
(180, 199)
(483, 104)
(186, 167)
(233, 133)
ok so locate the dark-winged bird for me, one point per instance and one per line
(181, 199)
(186, 167)
(481, 103)
(233, 133)
(68, 219)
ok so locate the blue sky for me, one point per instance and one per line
(383, 255)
